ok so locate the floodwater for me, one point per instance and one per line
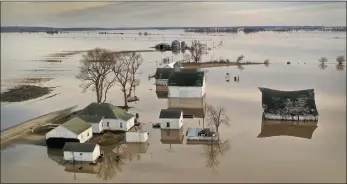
(249, 159)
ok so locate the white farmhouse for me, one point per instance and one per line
(105, 116)
(171, 119)
(81, 152)
(74, 130)
(187, 84)
(162, 76)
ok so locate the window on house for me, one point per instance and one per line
(80, 154)
(168, 124)
(108, 124)
(121, 125)
(88, 134)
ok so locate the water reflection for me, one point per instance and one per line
(112, 162)
(171, 136)
(213, 150)
(162, 94)
(340, 67)
(303, 129)
(195, 107)
(323, 66)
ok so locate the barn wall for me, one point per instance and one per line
(185, 92)
(130, 123)
(76, 156)
(86, 135)
(162, 82)
(290, 118)
(174, 123)
(114, 124)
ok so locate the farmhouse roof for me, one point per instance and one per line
(170, 113)
(163, 73)
(79, 147)
(105, 110)
(91, 118)
(289, 102)
(76, 125)
(186, 78)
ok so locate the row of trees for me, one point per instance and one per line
(101, 69)
(339, 59)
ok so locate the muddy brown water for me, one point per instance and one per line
(249, 159)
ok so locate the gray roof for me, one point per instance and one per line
(163, 73)
(105, 110)
(76, 125)
(91, 118)
(79, 147)
(170, 113)
(289, 102)
(186, 78)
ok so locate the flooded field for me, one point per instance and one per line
(318, 158)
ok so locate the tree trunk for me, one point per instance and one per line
(97, 94)
(125, 98)
(217, 128)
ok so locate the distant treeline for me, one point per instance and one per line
(254, 30)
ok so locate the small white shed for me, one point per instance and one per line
(82, 152)
(171, 119)
(140, 136)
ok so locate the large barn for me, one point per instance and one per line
(74, 130)
(105, 116)
(187, 84)
(289, 105)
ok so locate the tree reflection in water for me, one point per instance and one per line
(213, 150)
(114, 157)
(340, 67)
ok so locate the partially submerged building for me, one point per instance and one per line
(81, 152)
(289, 105)
(281, 128)
(74, 130)
(172, 136)
(171, 119)
(105, 116)
(162, 94)
(201, 134)
(187, 84)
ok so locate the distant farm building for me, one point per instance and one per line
(289, 105)
(81, 152)
(74, 130)
(175, 45)
(171, 119)
(281, 128)
(187, 84)
(105, 116)
(201, 134)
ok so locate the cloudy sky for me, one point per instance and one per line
(139, 14)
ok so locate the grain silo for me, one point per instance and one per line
(175, 45)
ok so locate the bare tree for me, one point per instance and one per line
(340, 60)
(217, 116)
(213, 150)
(125, 70)
(240, 58)
(323, 60)
(95, 67)
(197, 50)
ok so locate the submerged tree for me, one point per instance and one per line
(95, 68)
(197, 50)
(240, 58)
(323, 60)
(340, 60)
(267, 62)
(125, 70)
(217, 116)
(213, 150)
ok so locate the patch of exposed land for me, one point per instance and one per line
(24, 92)
(18, 131)
(211, 64)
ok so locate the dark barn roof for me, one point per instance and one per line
(289, 102)
(283, 129)
(79, 147)
(163, 73)
(186, 78)
(170, 113)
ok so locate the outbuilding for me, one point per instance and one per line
(187, 84)
(201, 134)
(82, 152)
(139, 137)
(74, 130)
(171, 119)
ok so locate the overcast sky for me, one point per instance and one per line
(139, 14)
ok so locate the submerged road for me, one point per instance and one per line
(22, 128)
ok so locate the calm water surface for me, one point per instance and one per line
(250, 159)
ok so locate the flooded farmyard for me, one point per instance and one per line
(248, 148)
